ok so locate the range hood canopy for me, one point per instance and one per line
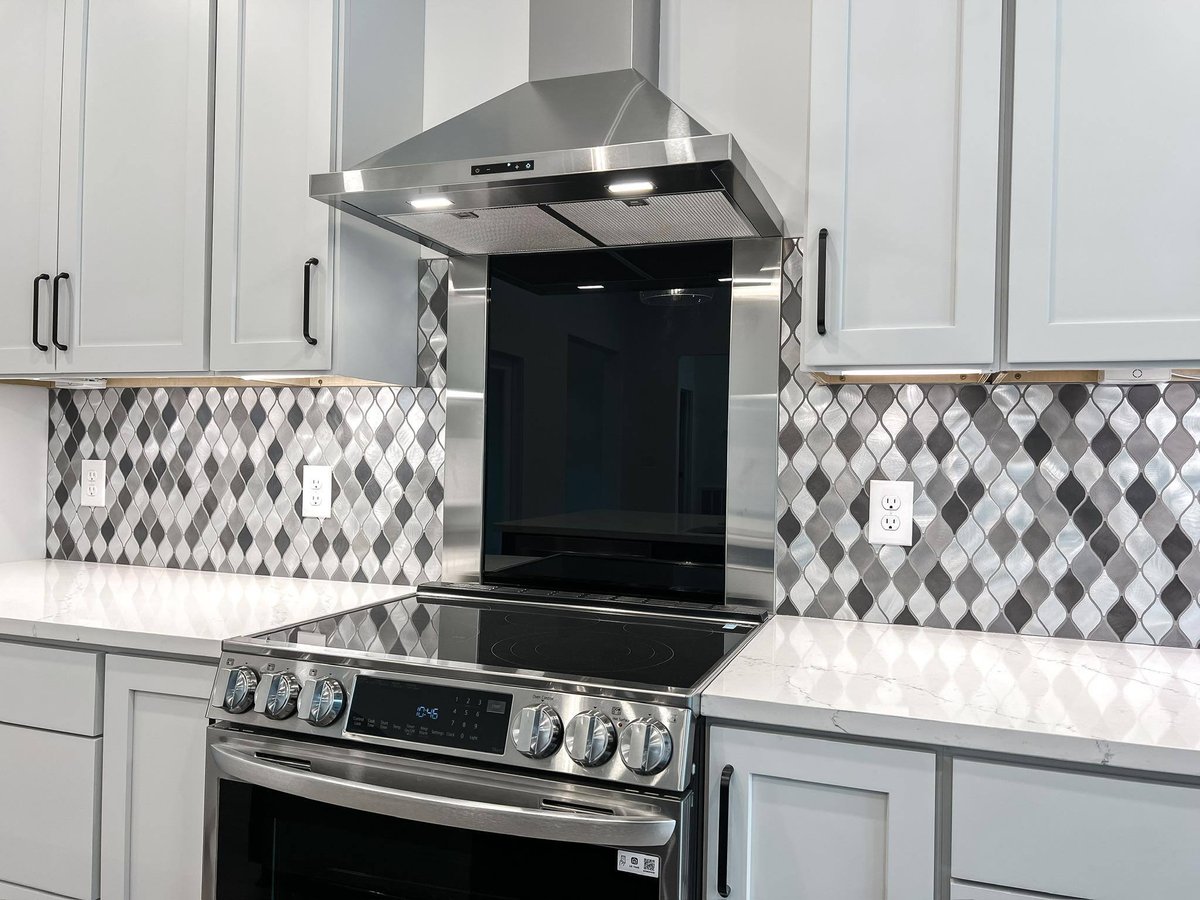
(587, 153)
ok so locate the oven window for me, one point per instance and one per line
(273, 846)
(607, 420)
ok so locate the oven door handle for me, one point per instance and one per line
(626, 829)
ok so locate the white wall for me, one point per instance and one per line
(24, 412)
(474, 50)
(741, 66)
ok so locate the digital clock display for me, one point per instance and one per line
(441, 715)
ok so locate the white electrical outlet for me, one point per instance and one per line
(92, 478)
(891, 513)
(318, 492)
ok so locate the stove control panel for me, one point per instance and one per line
(557, 732)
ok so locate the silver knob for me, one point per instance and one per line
(646, 746)
(591, 738)
(278, 699)
(537, 731)
(321, 702)
(240, 686)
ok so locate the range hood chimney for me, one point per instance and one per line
(587, 153)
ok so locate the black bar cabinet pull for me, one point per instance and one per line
(37, 283)
(822, 239)
(60, 277)
(308, 264)
(723, 833)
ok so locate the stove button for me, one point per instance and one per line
(537, 731)
(278, 699)
(646, 746)
(321, 702)
(240, 686)
(591, 738)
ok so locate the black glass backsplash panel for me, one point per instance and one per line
(607, 421)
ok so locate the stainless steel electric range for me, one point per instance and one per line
(464, 742)
(531, 728)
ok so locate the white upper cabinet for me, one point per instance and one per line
(133, 220)
(280, 300)
(904, 137)
(1105, 187)
(31, 50)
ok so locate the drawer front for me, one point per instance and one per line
(1072, 834)
(49, 834)
(60, 689)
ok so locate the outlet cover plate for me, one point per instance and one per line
(891, 515)
(92, 483)
(318, 491)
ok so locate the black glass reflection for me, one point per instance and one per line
(273, 846)
(607, 421)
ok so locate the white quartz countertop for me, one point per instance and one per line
(168, 612)
(1121, 705)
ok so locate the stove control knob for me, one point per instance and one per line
(591, 738)
(537, 731)
(240, 686)
(646, 746)
(278, 699)
(321, 702)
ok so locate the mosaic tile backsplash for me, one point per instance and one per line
(1067, 510)
(210, 478)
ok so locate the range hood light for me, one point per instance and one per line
(431, 203)
(631, 187)
(590, 287)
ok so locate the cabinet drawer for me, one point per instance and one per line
(61, 688)
(1074, 835)
(49, 839)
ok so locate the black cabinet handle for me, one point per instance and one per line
(37, 283)
(308, 264)
(723, 833)
(61, 276)
(822, 239)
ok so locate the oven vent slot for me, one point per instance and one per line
(291, 762)
(563, 806)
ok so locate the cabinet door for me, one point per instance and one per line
(154, 725)
(134, 210)
(962, 890)
(31, 56)
(815, 818)
(275, 127)
(1105, 224)
(904, 136)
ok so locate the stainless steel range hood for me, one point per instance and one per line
(589, 152)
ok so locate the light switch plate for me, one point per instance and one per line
(92, 483)
(318, 491)
(891, 515)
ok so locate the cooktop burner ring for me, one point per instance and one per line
(605, 654)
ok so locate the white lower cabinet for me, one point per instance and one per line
(49, 806)
(816, 818)
(153, 778)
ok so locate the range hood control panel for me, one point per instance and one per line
(501, 168)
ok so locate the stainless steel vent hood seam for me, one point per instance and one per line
(502, 177)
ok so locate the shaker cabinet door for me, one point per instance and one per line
(1103, 255)
(806, 817)
(904, 137)
(31, 57)
(275, 126)
(133, 226)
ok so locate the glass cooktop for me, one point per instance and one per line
(646, 649)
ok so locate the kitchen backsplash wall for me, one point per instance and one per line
(1067, 510)
(209, 478)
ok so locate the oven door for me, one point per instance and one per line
(294, 820)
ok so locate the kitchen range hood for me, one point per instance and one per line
(587, 153)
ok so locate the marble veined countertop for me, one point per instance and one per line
(166, 612)
(1120, 705)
